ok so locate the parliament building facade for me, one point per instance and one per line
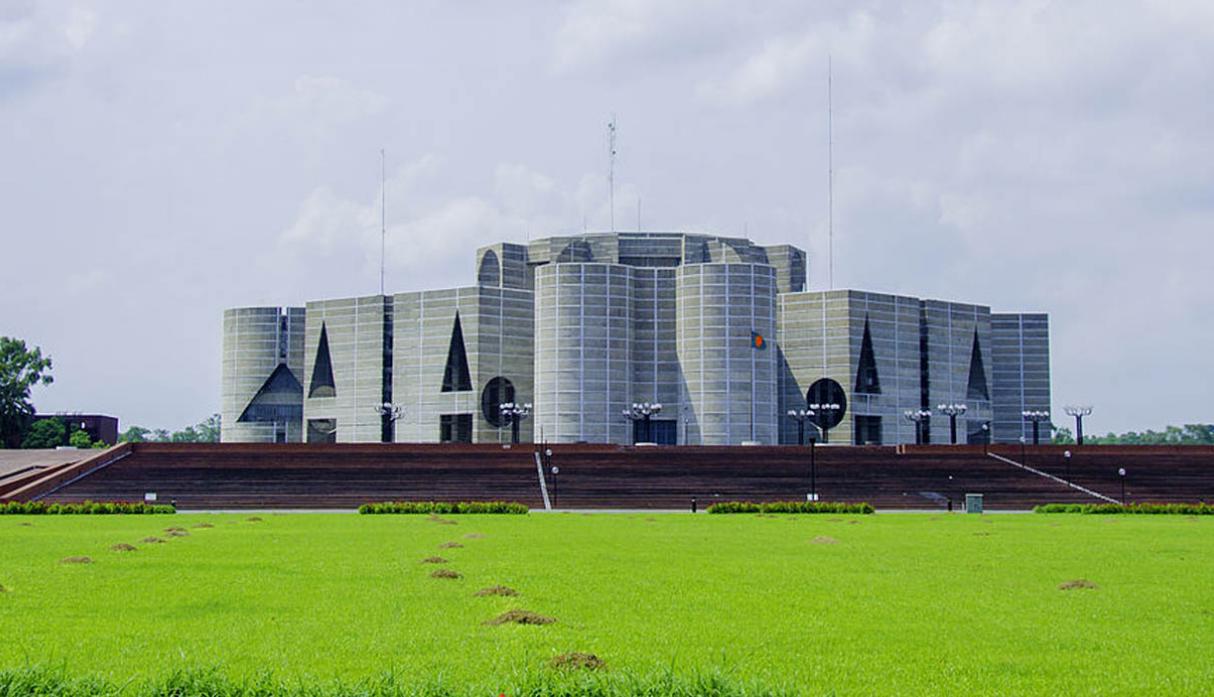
(720, 331)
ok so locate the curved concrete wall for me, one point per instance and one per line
(255, 341)
(730, 388)
(582, 341)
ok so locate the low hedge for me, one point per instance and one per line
(442, 507)
(1131, 509)
(791, 507)
(86, 508)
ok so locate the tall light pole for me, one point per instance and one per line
(1066, 455)
(1036, 417)
(389, 414)
(822, 413)
(1121, 473)
(952, 411)
(643, 412)
(801, 416)
(920, 417)
(515, 413)
(1079, 413)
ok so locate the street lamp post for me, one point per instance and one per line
(802, 416)
(389, 414)
(1036, 417)
(515, 413)
(555, 471)
(1121, 473)
(920, 417)
(821, 412)
(1066, 455)
(643, 412)
(952, 411)
(986, 437)
(1079, 413)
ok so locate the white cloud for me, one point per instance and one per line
(433, 231)
(606, 35)
(1036, 156)
(81, 23)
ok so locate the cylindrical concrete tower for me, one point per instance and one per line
(582, 340)
(262, 399)
(730, 384)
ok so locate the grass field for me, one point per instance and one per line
(895, 603)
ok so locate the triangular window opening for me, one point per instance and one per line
(277, 401)
(867, 380)
(456, 377)
(977, 383)
(322, 370)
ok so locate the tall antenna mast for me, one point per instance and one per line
(611, 169)
(383, 219)
(830, 176)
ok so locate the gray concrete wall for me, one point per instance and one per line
(1021, 368)
(729, 387)
(950, 335)
(355, 330)
(497, 330)
(583, 334)
(255, 341)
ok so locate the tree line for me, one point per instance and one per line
(22, 368)
(1189, 434)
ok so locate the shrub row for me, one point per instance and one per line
(1132, 509)
(443, 507)
(86, 508)
(790, 507)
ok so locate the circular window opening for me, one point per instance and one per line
(497, 392)
(827, 391)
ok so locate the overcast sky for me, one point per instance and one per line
(160, 162)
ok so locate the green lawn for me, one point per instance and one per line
(811, 604)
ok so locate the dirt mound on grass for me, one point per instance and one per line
(445, 573)
(577, 660)
(122, 547)
(203, 525)
(450, 545)
(440, 520)
(824, 540)
(434, 560)
(1077, 584)
(254, 519)
(76, 560)
(26, 525)
(496, 590)
(520, 617)
(474, 536)
(174, 529)
(853, 522)
(152, 541)
(178, 533)
(3, 589)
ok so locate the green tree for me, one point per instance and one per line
(80, 439)
(20, 369)
(134, 434)
(208, 430)
(1063, 436)
(44, 433)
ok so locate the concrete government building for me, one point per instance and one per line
(582, 327)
